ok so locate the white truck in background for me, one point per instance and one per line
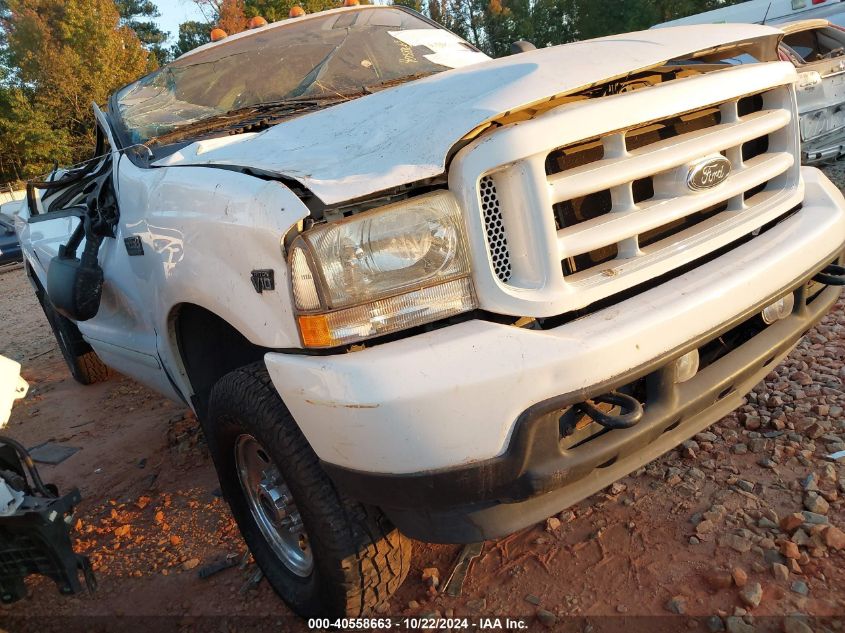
(817, 48)
(767, 12)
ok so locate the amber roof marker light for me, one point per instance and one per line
(296, 11)
(351, 3)
(218, 34)
(256, 22)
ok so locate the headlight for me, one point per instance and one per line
(384, 270)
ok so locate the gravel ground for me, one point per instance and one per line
(740, 529)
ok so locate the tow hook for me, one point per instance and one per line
(832, 275)
(631, 410)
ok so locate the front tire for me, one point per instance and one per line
(350, 559)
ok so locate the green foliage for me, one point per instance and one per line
(59, 56)
(191, 35)
(273, 10)
(139, 16)
(493, 25)
(604, 17)
(416, 5)
(29, 142)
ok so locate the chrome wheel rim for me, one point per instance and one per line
(272, 506)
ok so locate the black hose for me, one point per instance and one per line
(27, 461)
(832, 275)
(631, 407)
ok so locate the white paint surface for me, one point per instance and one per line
(451, 396)
(404, 134)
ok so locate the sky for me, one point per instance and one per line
(174, 12)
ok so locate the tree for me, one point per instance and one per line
(29, 142)
(274, 10)
(227, 14)
(553, 22)
(595, 18)
(416, 5)
(231, 17)
(191, 35)
(493, 25)
(64, 55)
(139, 16)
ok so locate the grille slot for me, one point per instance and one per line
(497, 240)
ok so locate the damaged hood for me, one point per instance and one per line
(404, 134)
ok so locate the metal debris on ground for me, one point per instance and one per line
(244, 560)
(252, 581)
(52, 453)
(216, 566)
(455, 583)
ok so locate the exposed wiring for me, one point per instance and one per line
(26, 458)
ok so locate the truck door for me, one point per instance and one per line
(121, 331)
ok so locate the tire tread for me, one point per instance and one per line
(90, 369)
(371, 558)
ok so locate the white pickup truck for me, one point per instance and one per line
(411, 291)
(817, 48)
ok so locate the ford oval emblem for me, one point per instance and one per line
(708, 172)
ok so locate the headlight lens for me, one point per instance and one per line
(381, 271)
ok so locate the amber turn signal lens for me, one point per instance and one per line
(218, 34)
(296, 12)
(315, 330)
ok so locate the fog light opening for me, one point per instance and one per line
(778, 310)
(686, 366)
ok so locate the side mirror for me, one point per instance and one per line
(74, 287)
(522, 46)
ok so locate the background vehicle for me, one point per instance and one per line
(10, 249)
(768, 12)
(406, 286)
(817, 49)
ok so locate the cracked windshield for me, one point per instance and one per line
(318, 61)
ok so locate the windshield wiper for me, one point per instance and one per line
(271, 109)
(293, 103)
(388, 83)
